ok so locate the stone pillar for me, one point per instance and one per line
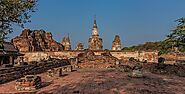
(1, 60)
(76, 61)
(22, 59)
(11, 58)
(69, 68)
(59, 72)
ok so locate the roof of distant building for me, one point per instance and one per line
(9, 49)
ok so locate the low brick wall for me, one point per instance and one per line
(13, 73)
(143, 55)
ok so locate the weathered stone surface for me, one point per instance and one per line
(79, 46)
(36, 40)
(116, 44)
(66, 43)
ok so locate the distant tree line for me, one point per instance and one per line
(176, 39)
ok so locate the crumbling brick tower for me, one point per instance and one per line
(66, 43)
(79, 46)
(95, 43)
(116, 44)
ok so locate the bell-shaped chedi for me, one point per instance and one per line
(116, 44)
(36, 40)
(95, 42)
(79, 46)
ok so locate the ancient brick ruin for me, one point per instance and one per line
(12, 73)
(79, 46)
(38, 45)
(36, 40)
(95, 43)
(66, 43)
(116, 44)
(90, 60)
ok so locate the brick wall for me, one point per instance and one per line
(143, 55)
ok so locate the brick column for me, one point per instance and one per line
(1, 61)
(11, 58)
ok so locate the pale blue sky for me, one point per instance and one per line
(136, 21)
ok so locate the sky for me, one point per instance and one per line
(135, 21)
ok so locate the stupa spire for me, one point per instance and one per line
(95, 25)
(95, 28)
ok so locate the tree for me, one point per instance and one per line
(163, 47)
(177, 36)
(14, 12)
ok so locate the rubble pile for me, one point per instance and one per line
(36, 40)
(10, 74)
(124, 68)
(137, 71)
(79, 46)
(134, 70)
(28, 83)
(90, 60)
(178, 69)
(156, 68)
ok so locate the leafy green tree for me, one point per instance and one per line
(176, 39)
(14, 12)
(165, 46)
(162, 46)
(177, 36)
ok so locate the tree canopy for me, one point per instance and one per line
(177, 36)
(14, 12)
(176, 39)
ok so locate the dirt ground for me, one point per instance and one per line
(104, 81)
